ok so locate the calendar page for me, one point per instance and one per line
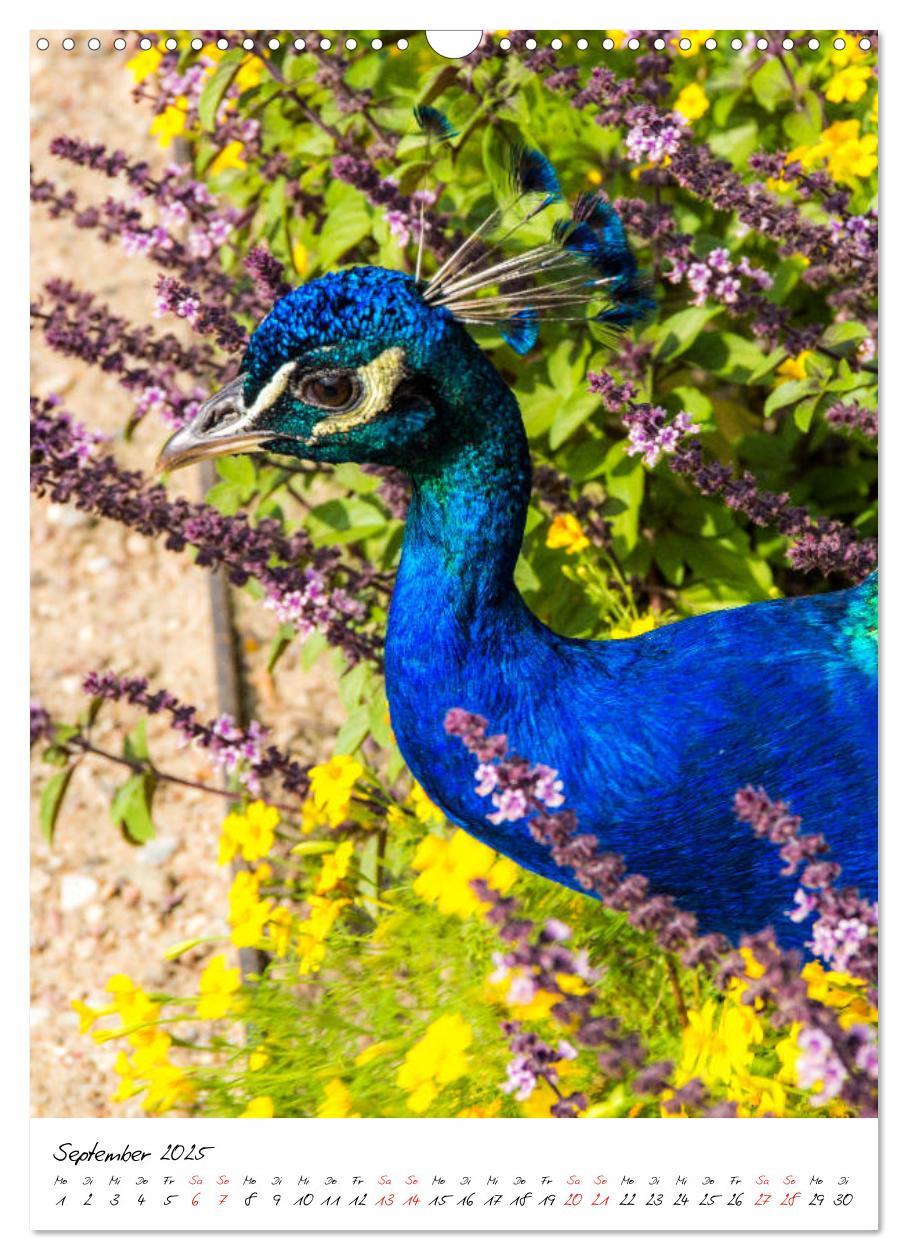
(454, 630)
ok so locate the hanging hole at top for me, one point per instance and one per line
(813, 44)
(42, 44)
(196, 44)
(865, 44)
(451, 44)
(711, 44)
(633, 44)
(94, 43)
(69, 44)
(737, 43)
(838, 44)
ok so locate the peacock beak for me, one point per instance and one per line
(223, 426)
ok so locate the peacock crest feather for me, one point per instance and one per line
(584, 271)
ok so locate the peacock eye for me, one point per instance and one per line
(330, 391)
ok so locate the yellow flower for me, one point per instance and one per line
(217, 985)
(169, 1087)
(793, 369)
(247, 913)
(334, 867)
(692, 102)
(853, 160)
(759, 1094)
(697, 40)
(128, 1085)
(424, 809)
(261, 1108)
(789, 1052)
(480, 1113)
(258, 1059)
(840, 990)
(337, 1104)
(637, 625)
(171, 123)
(874, 115)
(436, 1060)
(332, 790)
(375, 1051)
(144, 63)
(131, 1002)
(251, 834)
(151, 1050)
(300, 256)
(448, 867)
(594, 176)
(88, 1015)
(249, 74)
(280, 930)
(566, 532)
(310, 948)
(849, 84)
(230, 158)
(849, 54)
(717, 1043)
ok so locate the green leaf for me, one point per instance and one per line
(279, 645)
(238, 470)
(51, 801)
(217, 85)
(135, 745)
(131, 808)
(679, 331)
(571, 415)
(803, 412)
(737, 144)
(770, 85)
(790, 392)
(353, 732)
(669, 555)
(225, 497)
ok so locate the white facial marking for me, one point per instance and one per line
(270, 393)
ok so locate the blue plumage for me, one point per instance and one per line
(652, 735)
(432, 122)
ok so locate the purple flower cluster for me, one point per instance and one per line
(232, 749)
(99, 486)
(76, 325)
(852, 418)
(819, 543)
(652, 135)
(40, 724)
(650, 432)
(207, 318)
(846, 930)
(521, 790)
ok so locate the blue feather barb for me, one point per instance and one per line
(433, 123)
(530, 171)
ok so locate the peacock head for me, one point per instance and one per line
(372, 365)
(355, 366)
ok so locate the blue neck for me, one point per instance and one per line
(465, 528)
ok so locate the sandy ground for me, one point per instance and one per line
(102, 598)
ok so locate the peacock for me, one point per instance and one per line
(653, 735)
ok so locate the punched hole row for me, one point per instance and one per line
(711, 44)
